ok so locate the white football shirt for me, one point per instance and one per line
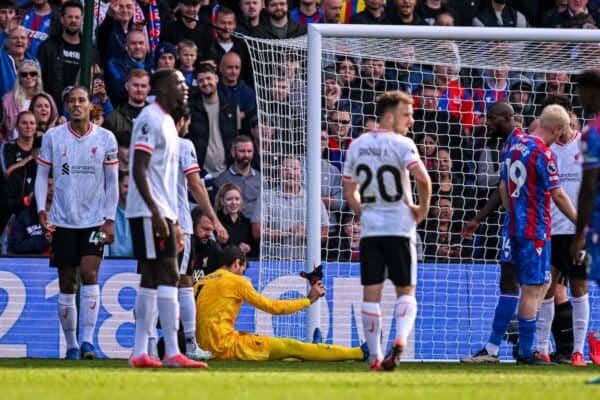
(569, 163)
(77, 164)
(154, 132)
(188, 164)
(379, 162)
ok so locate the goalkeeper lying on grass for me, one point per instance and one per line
(219, 297)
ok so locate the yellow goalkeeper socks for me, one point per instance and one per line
(287, 348)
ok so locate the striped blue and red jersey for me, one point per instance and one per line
(513, 138)
(529, 172)
(304, 20)
(590, 143)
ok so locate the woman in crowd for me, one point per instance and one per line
(229, 206)
(18, 169)
(28, 84)
(45, 112)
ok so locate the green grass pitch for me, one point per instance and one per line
(113, 380)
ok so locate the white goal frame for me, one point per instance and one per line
(316, 33)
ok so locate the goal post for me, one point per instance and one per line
(456, 291)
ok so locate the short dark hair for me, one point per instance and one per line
(197, 214)
(8, 4)
(80, 87)
(389, 100)
(242, 139)
(230, 254)
(123, 175)
(225, 11)
(589, 79)
(182, 111)
(202, 67)
(70, 4)
(157, 78)
(560, 99)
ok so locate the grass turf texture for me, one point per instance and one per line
(112, 379)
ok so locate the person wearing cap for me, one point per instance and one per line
(521, 97)
(165, 56)
(186, 26)
(118, 68)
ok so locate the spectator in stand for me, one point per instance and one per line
(112, 32)
(215, 122)
(186, 26)
(555, 83)
(430, 10)
(97, 115)
(454, 98)
(28, 84)
(494, 88)
(229, 205)
(99, 94)
(242, 175)
(465, 10)
(331, 195)
(119, 68)
(564, 11)
(350, 242)
(332, 11)
(339, 130)
(442, 240)
(249, 22)
(448, 183)
(45, 112)
(521, 97)
(285, 226)
(277, 24)
(402, 12)
(27, 236)
(307, 12)
(12, 54)
(120, 121)
(59, 55)
(123, 245)
(234, 90)
(18, 169)
(41, 21)
(346, 71)
(427, 148)
(165, 56)
(207, 250)
(372, 14)
(187, 54)
(224, 43)
(498, 13)
(445, 19)
(372, 82)
(8, 18)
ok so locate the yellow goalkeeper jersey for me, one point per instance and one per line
(219, 297)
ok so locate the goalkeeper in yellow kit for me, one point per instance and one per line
(219, 297)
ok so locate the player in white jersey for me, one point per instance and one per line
(377, 187)
(569, 162)
(83, 160)
(152, 213)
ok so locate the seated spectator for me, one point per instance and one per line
(372, 14)
(229, 206)
(185, 25)
(120, 121)
(45, 112)
(555, 83)
(242, 175)
(41, 20)
(13, 53)
(340, 137)
(28, 84)
(27, 236)
(284, 225)
(430, 10)
(498, 13)
(402, 12)
(494, 88)
(215, 122)
(123, 245)
(187, 54)
(564, 11)
(372, 82)
(350, 251)
(8, 19)
(18, 169)
(346, 71)
(445, 19)
(442, 239)
(206, 248)
(165, 56)
(277, 24)
(118, 68)
(249, 19)
(332, 11)
(97, 115)
(521, 97)
(331, 189)
(453, 97)
(236, 91)
(448, 183)
(427, 147)
(307, 12)
(99, 94)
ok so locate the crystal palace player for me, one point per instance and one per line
(529, 178)
(501, 125)
(83, 159)
(377, 187)
(152, 213)
(589, 198)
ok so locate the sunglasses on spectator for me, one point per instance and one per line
(25, 74)
(340, 121)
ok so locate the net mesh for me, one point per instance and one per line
(452, 82)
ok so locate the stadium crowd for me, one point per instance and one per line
(41, 45)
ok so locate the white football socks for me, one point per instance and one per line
(168, 312)
(405, 311)
(187, 309)
(145, 308)
(581, 319)
(90, 304)
(67, 313)
(371, 319)
(543, 325)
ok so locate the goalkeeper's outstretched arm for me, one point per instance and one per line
(277, 307)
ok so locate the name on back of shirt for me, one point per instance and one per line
(373, 151)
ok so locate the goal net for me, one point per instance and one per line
(452, 83)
